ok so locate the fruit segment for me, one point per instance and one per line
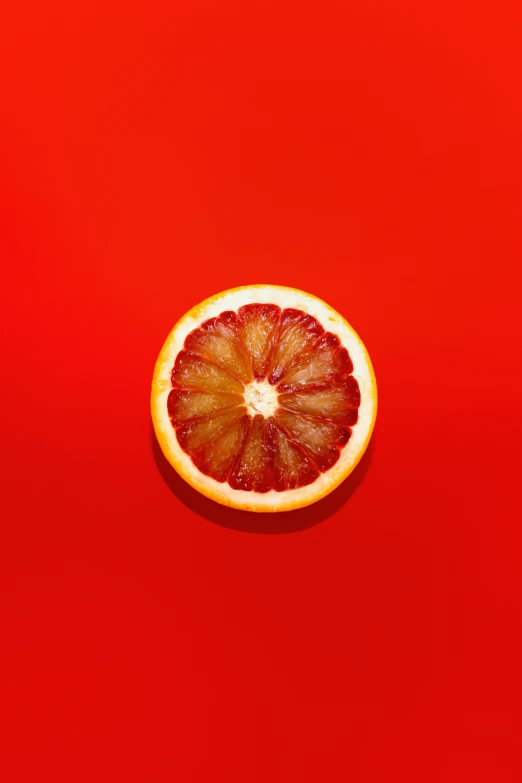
(321, 440)
(197, 373)
(185, 405)
(217, 340)
(298, 333)
(195, 434)
(216, 457)
(325, 360)
(337, 401)
(291, 467)
(259, 328)
(252, 470)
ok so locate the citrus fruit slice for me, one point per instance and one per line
(263, 398)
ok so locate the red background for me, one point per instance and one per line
(153, 154)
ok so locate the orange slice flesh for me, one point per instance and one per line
(218, 340)
(193, 372)
(337, 400)
(259, 328)
(298, 332)
(258, 406)
(290, 345)
(189, 404)
(321, 440)
(327, 360)
(252, 470)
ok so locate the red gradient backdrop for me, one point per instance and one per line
(151, 155)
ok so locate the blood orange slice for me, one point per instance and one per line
(263, 398)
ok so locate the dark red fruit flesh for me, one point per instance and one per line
(259, 328)
(319, 398)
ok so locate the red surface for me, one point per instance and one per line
(151, 155)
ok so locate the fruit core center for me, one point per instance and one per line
(261, 397)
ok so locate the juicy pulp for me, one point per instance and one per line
(227, 360)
